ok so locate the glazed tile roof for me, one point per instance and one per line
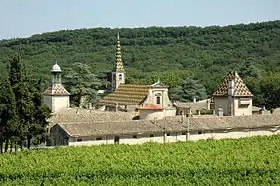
(126, 94)
(56, 89)
(240, 89)
(194, 106)
(173, 124)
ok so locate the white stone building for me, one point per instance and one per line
(56, 96)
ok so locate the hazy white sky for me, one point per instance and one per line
(23, 18)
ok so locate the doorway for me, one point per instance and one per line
(117, 140)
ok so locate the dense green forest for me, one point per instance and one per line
(247, 161)
(173, 54)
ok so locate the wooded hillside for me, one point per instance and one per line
(172, 54)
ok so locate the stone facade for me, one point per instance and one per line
(55, 103)
(232, 97)
(163, 137)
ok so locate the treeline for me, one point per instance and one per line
(204, 55)
(22, 111)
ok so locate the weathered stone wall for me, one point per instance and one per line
(169, 137)
(56, 102)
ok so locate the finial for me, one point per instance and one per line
(158, 80)
(118, 36)
(56, 62)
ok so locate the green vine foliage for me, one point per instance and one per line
(246, 161)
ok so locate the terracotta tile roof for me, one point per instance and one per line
(172, 124)
(194, 106)
(240, 89)
(56, 89)
(126, 94)
(77, 115)
(151, 107)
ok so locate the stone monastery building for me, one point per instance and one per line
(134, 113)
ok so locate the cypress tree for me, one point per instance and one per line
(31, 110)
(8, 115)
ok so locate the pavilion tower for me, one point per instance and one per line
(56, 96)
(118, 73)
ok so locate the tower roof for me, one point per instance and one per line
(119, 63)
(56, 68)
(240, 89)
(56, 90)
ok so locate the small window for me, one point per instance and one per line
(199, 132)
(79, 139)
(134, 136)
(120, 77)
(152, 135)
(158, 100)
(168, 134)
(98, 138)
(183, 133)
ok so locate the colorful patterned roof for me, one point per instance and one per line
(126, 94)
(119, 63)
(240, 89)
(56, 89)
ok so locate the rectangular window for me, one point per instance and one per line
(183, 133)
(134, 136)
(168, 134)
(199, 132)
(152, 135)
(158, 100)
(98, 138)
(79, 139)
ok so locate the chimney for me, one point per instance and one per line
(194, 99)
(231, 87)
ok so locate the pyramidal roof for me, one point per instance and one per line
(56, 90)
(240, 89)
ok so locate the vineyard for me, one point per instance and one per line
(247, 161)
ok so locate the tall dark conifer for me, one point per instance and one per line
(8, 115)
(31, 110)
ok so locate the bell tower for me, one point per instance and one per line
(118, 73)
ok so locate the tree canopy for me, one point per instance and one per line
(207, 54)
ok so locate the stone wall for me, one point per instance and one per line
(169, 137)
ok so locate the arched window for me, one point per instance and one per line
(120, 76)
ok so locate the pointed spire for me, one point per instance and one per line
(119, 63)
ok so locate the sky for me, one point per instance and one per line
(23, 18)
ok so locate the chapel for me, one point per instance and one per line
(128, 97)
